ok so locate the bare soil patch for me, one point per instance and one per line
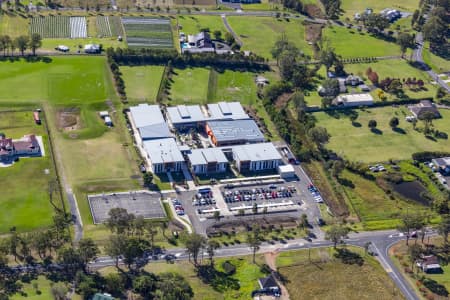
(68, 119)
(314, 11)
(283, 100)
(313, 32)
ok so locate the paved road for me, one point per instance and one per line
(418, 57)
(380, 241)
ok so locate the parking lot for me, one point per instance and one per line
(139, 203)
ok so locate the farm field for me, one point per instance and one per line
(13, 25)
(25, 202)
(148, 32)
(59, 26)
(351, 43)
(360, 144)
(328, 277)
(350, 7)
(142, 82)
(395, 69)
(259, 34)
(193, 24)
(108, 26)
(189, 86)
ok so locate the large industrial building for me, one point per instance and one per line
(149, 122)
(225, 133)
(208, 160)
(256, 157)
(227, 111)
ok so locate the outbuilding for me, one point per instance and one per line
(286, 171)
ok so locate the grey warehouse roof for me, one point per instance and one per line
(256, 152)
(163, 151)
(207, 155)
(145, 115)
(236, 130)
(185, 114)
(227, 110)
(156, 131)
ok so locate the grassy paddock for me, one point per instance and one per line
(351, 43)
(193, 24)
(189, 86)
(350, 7)
(329, 278)
(142, 82)
(360, 144)
(259, 34)
(43, 291)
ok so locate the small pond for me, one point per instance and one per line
(411, 190)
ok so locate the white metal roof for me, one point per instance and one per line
(227, 110)
(163, 151)
(286, 168)
(206, 155)
(234, 130)
(256, 152)
(185, 114)
(145, 115)
(355, 98)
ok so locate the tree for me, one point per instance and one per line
(229, 38)
(254, 240)
(35, 42)
(335, 234)
(148, 179)
(21, 43)
(410, 222)
(330, 87)
(394, 122)
(328, 57)
(337, 168)
(372, 124)
(211, 247)
(304, 221)
(59, 291)
(119, 221)
(115, 284)
(145, 285)
(216, 216)
(414, 252)
(5, 43)
(434, 31)
(70, 260)
(115, 247)
(217, 34)
(332, 8)
(319, 135)
(172, 286)
(353, 117)
(375, 22)
(133, 249)
(88, 250)
(444, 231)
(405, 41)
(194, 243)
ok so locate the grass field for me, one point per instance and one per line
(259, 34)
(372, 205)
(73, 44)
(189, 86)
(13, 25)
(43, 286)
(329, 278)
(438, 64)
(25, 202)
(351, 43)
(360, 144)
(142, 82)
(193, 24)
(395, 69)
(350, 7)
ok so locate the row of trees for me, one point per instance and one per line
(22, 43)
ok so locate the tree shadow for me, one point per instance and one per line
(431, 138)
(220, 281)
(376, 131)
(346, 182)
(399, 130)
(356, 124)
(348, 257)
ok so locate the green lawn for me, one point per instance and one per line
(259, 34)
(189, 86)
(193, 24)
(73, 44)
(360, 144)
(13, 25)
(142, 82)
(43, 291)
(25, 202)
(327, 277)
(437, 63)
(350, 7)
(395, 69)
(351, 43)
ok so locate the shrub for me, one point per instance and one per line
(228, 268)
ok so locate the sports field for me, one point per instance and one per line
(259, 34)
(189, 86)
(25, 201)
(142, 82)
(328, 277)
(351, 43)
(358, 143)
